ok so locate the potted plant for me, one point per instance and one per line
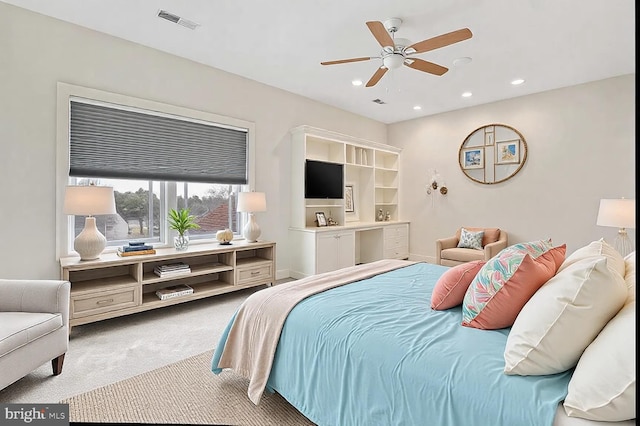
(181, 220)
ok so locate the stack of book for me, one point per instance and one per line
(174, 291)
(134, 249)
(172, 269)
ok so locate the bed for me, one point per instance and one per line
(370, 351)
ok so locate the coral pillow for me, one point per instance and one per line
(603, 385)
(452, 285)
(563, 317)
(507, 281)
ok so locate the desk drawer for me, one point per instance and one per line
(401, 252)
(104, 301)
(254, 274)
(393, 231)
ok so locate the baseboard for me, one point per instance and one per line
(422, 258)
(282, 274)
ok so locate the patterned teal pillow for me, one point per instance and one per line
(472, 240)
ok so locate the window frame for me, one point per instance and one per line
(65, 92)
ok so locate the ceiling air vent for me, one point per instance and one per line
(379, 101)
(177, 20)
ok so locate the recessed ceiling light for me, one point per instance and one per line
(357, 82)
(461, 61)
(467, 94)
(517, 81)
(417, 107)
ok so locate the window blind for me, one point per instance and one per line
(116, 143)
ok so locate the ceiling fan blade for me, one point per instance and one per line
(380, 33)
(421, 65)
(344, 61)
(376, 77)
(441, 40)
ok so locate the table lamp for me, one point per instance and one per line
(89, 201)
(251, 202)
(621, 214)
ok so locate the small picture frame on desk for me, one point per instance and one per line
(321, 220)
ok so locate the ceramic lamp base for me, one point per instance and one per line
(90, 242)
(251, 230)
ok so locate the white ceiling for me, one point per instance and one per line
(549, 43)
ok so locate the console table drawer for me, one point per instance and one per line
(263, 272)
(104, 301)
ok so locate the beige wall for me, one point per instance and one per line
(581, 148)
(37, 51)
(581, 143)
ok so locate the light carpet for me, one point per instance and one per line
(185, 392)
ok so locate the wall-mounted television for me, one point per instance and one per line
(323, 180)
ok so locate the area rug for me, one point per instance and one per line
(186, 392)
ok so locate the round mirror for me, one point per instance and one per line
(492, 153)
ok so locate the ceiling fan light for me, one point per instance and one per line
(393, 61)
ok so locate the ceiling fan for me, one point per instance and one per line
(399, 51)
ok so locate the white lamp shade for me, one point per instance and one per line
(251, 202)
(618, 213)
(89, 200)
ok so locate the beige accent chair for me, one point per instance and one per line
(448, 254)
(34, 326)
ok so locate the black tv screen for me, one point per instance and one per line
(323, 180)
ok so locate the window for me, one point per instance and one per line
(140, 216)
(156, 157)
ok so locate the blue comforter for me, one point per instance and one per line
(374, 353)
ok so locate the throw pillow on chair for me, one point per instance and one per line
(472, 240)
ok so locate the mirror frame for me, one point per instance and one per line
(490, 142)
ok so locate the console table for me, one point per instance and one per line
(113, 286)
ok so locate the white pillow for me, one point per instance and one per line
(603, 385)
(563, 317)
(630, 275)
(597, 248)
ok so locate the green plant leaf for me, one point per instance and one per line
(181, 220)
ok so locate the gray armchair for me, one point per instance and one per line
(34, 326)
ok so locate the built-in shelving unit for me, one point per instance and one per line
(370, 167)
(113, 286)
(372, 170)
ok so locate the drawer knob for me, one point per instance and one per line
(255, 273)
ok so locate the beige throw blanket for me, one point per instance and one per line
(254, 335)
